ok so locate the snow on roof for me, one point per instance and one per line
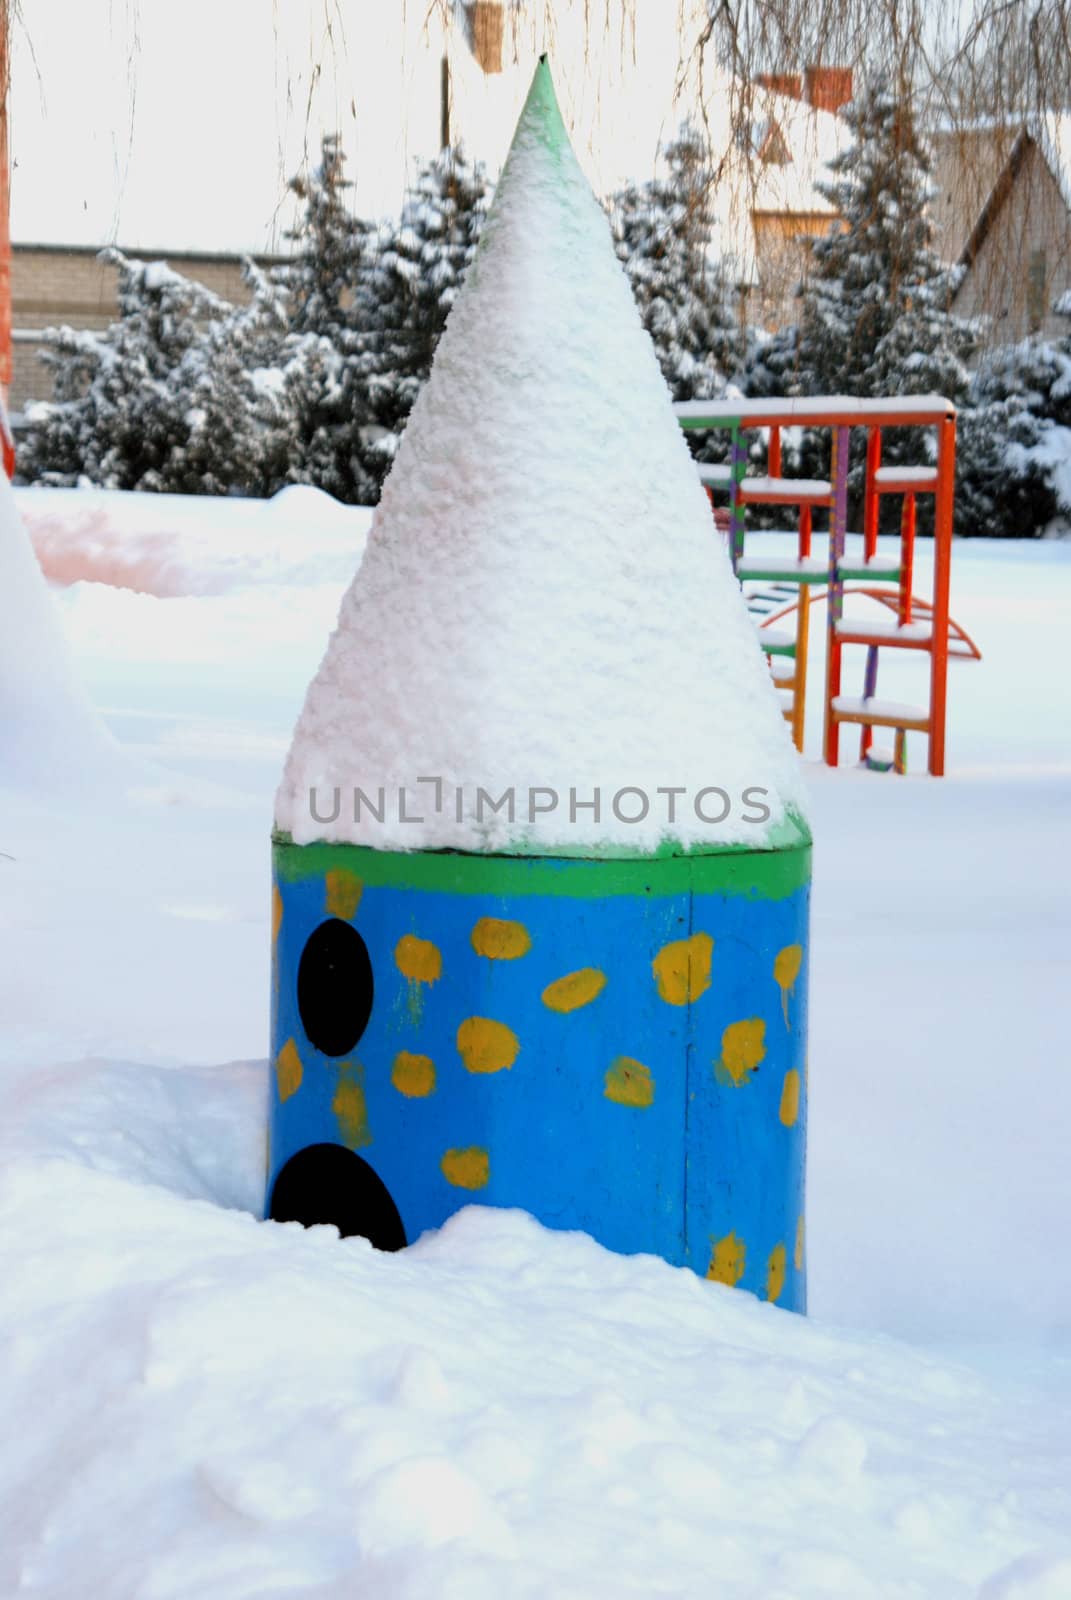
(544, 602)
(740, 120)
(1050, 129)
(1054, 136)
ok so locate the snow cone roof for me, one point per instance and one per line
(544, 603)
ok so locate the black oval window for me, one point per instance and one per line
(328, 1183)
(334, 987)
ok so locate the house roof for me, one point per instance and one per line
(749, 186)
(994, 202)
(977, 166)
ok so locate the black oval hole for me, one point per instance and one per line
(334, 987)
(328, 1183)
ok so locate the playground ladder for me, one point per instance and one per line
(930, 636)
(918, 624)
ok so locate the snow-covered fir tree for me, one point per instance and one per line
(771, 364)
(171, 397)
(233, 398)
(118, 413)
(876, 315)
(1015, 442)
(59, 446)
(662, 233)
(416, 275)
(310, 382)
(331, 351)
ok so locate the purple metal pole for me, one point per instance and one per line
(737, 511)
(835, 603)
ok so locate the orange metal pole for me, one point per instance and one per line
(5, 205)
(907, 556)
(803, 637)
(942, 573)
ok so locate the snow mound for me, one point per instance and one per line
(199, 1403)
(175, 545)
(544, 600)
(51, 738)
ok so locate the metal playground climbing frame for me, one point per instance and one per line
(789, 586)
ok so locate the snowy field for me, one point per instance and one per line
(198, 1404)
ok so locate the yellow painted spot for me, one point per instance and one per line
(344, 890)
(351, 1111)
(682, 969)
(500, 941)
(743, 1046)
(790, 1098)
(775, 1273)
(288, 1070)
(413, 1076)
(727, 1260)
(576, 989)
(629, 1083)
(276, 912)
(467, 1169)
(797, 1254)
(486, 1046)
(418, 959)
(786, 969)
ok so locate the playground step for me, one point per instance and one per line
(912, 636)
(881, 756)
(899, 480)
(784, 569)
(880, 713)
(884, 568)
(762, 602)
(714, 476)
(776, 643)
(786, 491)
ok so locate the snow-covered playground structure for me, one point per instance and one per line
(541, 868)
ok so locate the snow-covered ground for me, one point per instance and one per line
(198, 1404)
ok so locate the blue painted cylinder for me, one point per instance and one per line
(614, 1045)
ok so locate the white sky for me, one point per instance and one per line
(174, 124)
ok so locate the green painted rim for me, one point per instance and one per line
(746, 575)
(790, 833)
(760, 874)
(709, 424)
